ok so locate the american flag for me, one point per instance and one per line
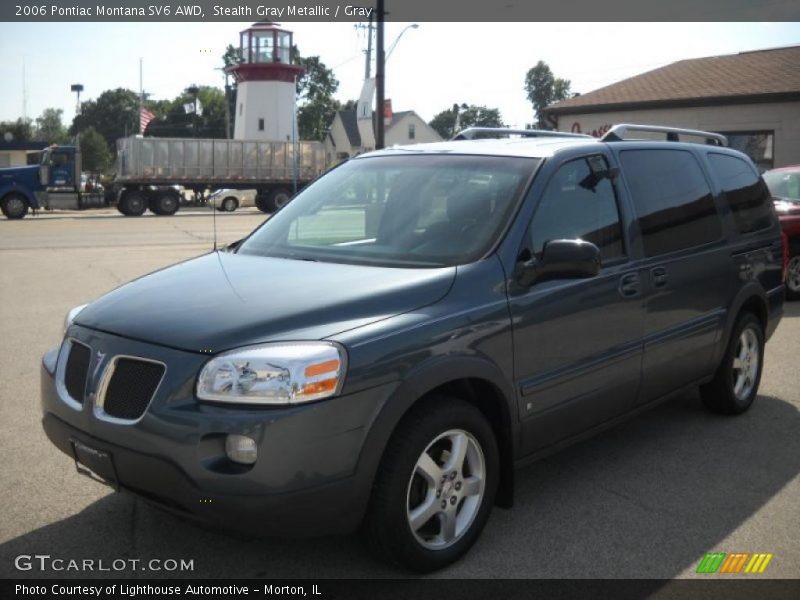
(145, 116)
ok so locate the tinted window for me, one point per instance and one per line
(579, 204)
(746, 194)
(673, 201)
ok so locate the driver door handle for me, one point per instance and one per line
(630, 285)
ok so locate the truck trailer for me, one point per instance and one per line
(148, 169)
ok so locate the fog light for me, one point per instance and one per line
(241, 449)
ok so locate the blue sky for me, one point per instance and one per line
(431, 68)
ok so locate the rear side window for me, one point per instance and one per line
(673, 202)
(579, 204)
(746, 194)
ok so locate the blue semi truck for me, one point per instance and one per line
(148, 171)
(55, 183)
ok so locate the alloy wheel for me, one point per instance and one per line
(446, 489)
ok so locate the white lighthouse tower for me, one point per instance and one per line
(265, 84)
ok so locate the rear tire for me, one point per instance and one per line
(735, 384)
(793, 272)
(133, 204)
(165, 204)
(278, 198)
(435, 486)
(14, 206)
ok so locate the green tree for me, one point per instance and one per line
(49, 127)
(95, 154)
(315, 90)
(468, 116)
(543, 88)
(172, 120)
(20, 130)
(114, 114)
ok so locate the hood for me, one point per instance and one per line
(220, 301)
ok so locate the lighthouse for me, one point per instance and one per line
(265, 84)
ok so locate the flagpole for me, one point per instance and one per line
(141, 97)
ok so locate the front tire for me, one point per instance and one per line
(435, 486)
(14, 206)
(735, 384)
(229, 204)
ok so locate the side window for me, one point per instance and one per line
(745, 192)
(673, 202)
(578, 203)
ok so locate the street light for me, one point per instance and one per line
(77, 88)
(380, 70)
(397, 39)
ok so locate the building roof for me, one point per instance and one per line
(350, 123)
(758, 76)
(350, 126)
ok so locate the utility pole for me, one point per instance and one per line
(368, 69)
(380, 77)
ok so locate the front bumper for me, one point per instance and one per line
(305, 482)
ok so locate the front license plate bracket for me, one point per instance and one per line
(97, 465)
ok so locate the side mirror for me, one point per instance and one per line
(44, 175)
(561, 259)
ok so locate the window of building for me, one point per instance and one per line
(579, 203)
(261, 124)
(412, 132)
(758, 145)
(5, 159)
(746, 194)
(672, 198)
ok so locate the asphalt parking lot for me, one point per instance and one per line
(647, 499)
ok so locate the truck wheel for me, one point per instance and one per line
(793, 272)
(165, 204)
(279, 198)
(229, 204)
(262, 203)
(133, 204)
(14, 206)
(435, 486)
(735, 384)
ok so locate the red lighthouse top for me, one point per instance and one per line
(266, 53)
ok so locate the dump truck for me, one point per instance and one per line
(148, 170)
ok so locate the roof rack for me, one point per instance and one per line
(617, 133)
(471, 133)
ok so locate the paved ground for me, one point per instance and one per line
(646, 499)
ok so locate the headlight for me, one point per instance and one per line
(73, 312)
(281, 373)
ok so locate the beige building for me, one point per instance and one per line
(19, 154)
(752, 97)
(405, 127)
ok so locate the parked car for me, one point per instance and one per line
(386, 365)
(230, 200)
(784, 184)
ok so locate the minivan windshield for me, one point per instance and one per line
(409, 210)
